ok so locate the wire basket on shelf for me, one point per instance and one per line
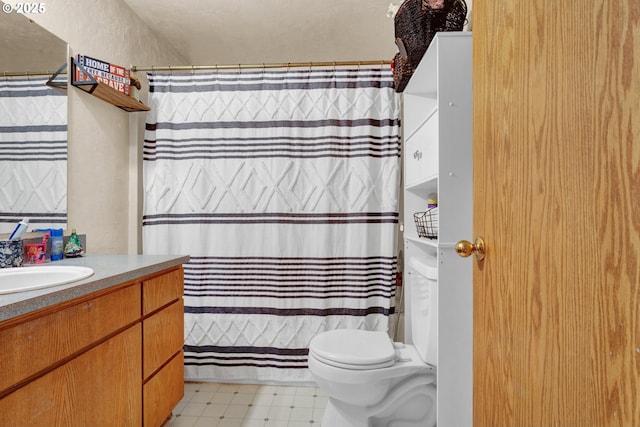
(427, 223)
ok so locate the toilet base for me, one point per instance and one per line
(418, 410)
(333, 418)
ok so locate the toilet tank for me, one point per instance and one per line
(423, 281)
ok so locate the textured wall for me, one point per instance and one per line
(104, 165)
(26, 46)
(254, 32)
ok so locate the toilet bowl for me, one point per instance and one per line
(372, 382)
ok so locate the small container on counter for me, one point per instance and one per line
(36, 253)
(10, 253)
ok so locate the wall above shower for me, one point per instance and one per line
(232, 32)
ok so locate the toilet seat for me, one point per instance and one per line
(354, 349)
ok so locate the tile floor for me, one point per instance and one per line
(248, 405)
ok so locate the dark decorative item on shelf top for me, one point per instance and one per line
(402, 72)
(410, 24)
(416, 24)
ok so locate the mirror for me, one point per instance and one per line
(33, 126)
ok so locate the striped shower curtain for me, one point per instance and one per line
(283, 188)
(33, 154)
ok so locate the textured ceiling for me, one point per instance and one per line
(264, 31)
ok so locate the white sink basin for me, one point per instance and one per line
(21, 279)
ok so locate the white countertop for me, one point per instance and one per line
(109, 270)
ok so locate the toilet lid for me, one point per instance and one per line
(354, 349)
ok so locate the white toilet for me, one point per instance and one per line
(373, 382)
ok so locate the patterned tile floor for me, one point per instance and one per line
(247, 405)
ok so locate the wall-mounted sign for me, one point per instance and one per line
(116, 76)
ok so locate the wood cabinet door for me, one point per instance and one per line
(102, 387)
(556, 197)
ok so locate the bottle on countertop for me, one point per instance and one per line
(57, 244)
(20, 230)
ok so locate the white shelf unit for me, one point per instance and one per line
(437, 128)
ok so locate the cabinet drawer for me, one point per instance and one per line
(163, 335)
(64, 332)
(421, 157)
(163, 392)
(161, 290)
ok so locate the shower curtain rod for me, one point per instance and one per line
(257, 66)
(28, 73)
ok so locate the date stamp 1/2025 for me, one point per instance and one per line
(24, 8)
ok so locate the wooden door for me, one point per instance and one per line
(557, 199)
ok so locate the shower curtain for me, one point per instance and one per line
(283, 188)
(33, 154)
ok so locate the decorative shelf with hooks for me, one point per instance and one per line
(59, 84)
(103, 91)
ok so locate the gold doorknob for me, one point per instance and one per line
(465, 248)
